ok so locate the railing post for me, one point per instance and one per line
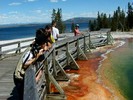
(19, 50)
(54, 64)
(110, 38)
(67, 51)
(78, 52)
(84, 43)
(89, 40)
(107, 37)
(47, 77)
(19, 44)
(0, 52)
(87, 45)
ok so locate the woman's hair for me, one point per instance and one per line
(36, 46)
(42, 31)
(47, 27)
(39, 32)
(41, 39)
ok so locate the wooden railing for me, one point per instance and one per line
(53, 67)
(14, 47)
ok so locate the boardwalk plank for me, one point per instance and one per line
(7, 87)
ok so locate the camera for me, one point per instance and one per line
(35, 48)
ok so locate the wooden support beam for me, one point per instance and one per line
(82, 53)
(55, 97)
(55, 83)
(50, 79)
(69, 56)
(73, 60)
(63, 76)
(91, 45)
(87, 47)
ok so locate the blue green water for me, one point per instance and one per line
(119, 69)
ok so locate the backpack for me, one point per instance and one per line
(20, 71)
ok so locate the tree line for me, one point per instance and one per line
(120, 21)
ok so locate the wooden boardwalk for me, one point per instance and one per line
(7, 87)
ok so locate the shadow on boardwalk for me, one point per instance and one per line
(14, 94)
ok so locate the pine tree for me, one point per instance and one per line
(72, 27)
(57, 16)
(130, 16)
(53, 14)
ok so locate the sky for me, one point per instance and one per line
(40, 11)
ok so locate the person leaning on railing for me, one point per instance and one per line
(36, 53)
(47, 31)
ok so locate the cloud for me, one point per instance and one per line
(57, 0)
(36, 16)
(38, 11)
(64, 0)
(15, 18)
(13, 12)
(31, 0)
(3, 16)
(53, 0)
(14, 4)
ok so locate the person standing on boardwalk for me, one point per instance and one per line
(36, 53)
(55, 31)
(76, 30)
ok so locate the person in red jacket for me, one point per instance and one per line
(76, 30)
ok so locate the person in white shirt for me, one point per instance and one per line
(55, 31)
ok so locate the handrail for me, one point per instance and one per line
(16, 46)
(53, 64)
